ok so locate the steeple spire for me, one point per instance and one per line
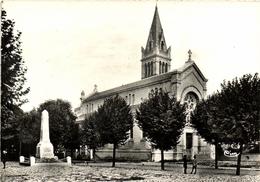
(156, 35)
(156, 56)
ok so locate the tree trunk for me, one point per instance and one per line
(0, 141)
(239, 159)
(162, 160)
(30, 150)
(114, 155)
(20, 148)
(94, 155)
(216, 155)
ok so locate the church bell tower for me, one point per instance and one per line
(156, 56)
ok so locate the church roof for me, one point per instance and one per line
(190, 63)
(145, 82)
(131, 86)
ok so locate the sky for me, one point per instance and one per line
(69, 46)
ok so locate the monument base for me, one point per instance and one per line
(44, 150)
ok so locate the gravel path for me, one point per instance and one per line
(79, 173)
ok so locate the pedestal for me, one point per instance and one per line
(44, 150)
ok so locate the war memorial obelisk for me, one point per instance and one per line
(44, 148)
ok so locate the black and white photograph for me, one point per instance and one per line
(131, 90)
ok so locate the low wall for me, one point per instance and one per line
(168, 155)
(124, 155)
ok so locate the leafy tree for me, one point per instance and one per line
(231, 116)
(114, 122)
(162, 120)
(90, 135)
(12, 77)
(10, 133)
(61, 121)
(30, 127)
(206, 121)
(29, 130)
(240, 112)
(73, 140)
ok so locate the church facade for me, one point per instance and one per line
(187, 84)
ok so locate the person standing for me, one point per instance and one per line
(4, 158)
(185, 164)
(194, 164)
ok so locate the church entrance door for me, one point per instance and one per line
(189, 144)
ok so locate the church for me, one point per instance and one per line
(186, 83)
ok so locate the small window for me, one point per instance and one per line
(145, 69)
(148, 74)
(133, 99)
(156, 90)
(162, 45)
(129, 99)
(160, 67)
(151, 69)
(163, 68)
(150, 45)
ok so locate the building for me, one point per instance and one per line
(187, 84)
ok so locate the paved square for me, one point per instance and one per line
(79, 173)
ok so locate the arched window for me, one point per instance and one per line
(126, 99)
(156, 90)
(166, 68)
(163, 68)
(162, 45)
(150, 45)
(152, 92)
(151, 69)
(148, 69)
(133, 99)
(129, 99)
(145, 70)
(160, 67)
